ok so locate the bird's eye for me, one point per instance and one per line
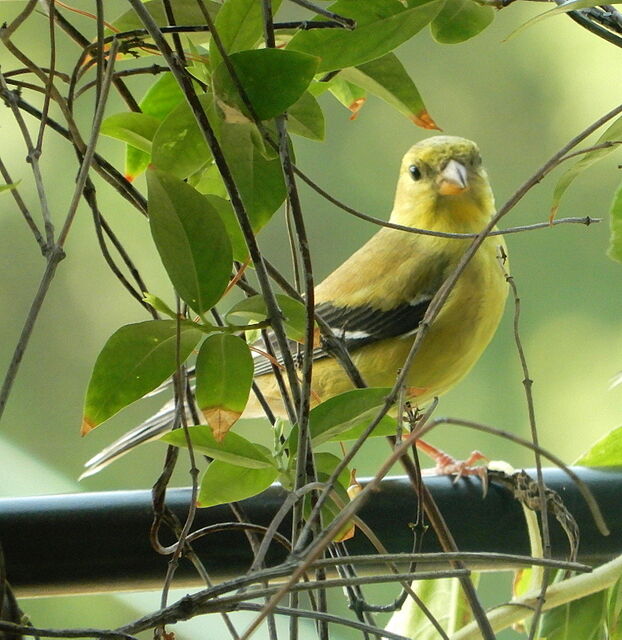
(415, 172)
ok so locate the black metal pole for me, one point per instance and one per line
(79, 543)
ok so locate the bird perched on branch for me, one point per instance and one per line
(375, 301)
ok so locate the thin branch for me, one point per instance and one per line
(346, 23)
(32, 158)
(528, 384)
(23, 208)
(16, 630)
(56, 252)
(100, 164)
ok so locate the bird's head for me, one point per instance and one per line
(442, 185)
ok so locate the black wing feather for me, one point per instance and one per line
(360, 326)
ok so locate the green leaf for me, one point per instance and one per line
(386, 427)
(229, 219)
(208, 181)
(178, 145)
(134, 360)
(273, 80)
(224, 374)
(612, 134)
(161, 98)
(351, 96)
(191, 239)
(615, 216)
(223, 483)
(606, 452)
(305, 118)
(9, 186)
(351, 410)
(239, 24)
(582, 618)
(260, 181)
(325, 464)
(381, 26)
(136, 129)
(614, 609)
(460, 20)
(253, 309)
(234, 449)
(387, 78)
(159, 305)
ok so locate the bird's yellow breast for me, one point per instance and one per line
(454, 342)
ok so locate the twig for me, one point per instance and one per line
(100, 164)
(428, 232)
(528, 384)
(32, 158)
(346, 23)
(15, 630)
(56, 252)
(23, 208)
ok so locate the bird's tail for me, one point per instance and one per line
(157, 425)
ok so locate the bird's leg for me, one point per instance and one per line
(447, 465)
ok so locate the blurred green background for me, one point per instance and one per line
(521, 100)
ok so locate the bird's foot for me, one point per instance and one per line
(446, 465)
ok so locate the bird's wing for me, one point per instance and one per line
(357, 326)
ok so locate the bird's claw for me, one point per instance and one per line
(446, 465)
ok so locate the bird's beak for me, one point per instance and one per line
(453, 179)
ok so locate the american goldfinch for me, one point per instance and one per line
(377, 298)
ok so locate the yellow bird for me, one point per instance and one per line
(375, 301)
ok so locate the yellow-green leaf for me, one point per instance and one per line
(223, 483)
(608, 142)
(191, 239)
(460, 20)
(615, 236)
(253, 309)
(224, 374)
(234, 449)
(135, 360)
